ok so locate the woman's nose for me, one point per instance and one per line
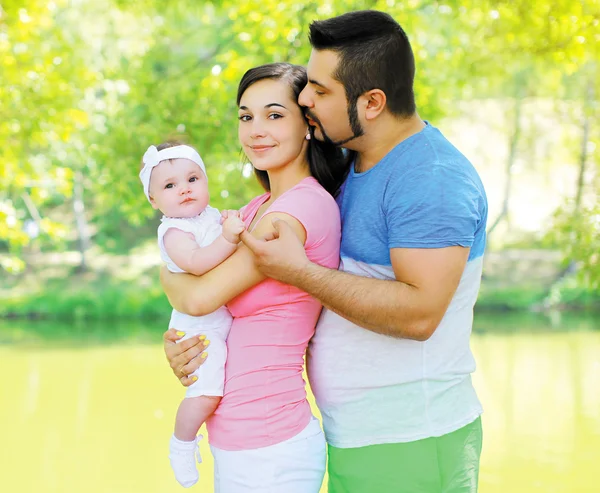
(258, 130)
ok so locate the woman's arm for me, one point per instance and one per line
(200, 295)
(229, 279)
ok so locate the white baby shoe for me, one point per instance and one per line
(183, 456)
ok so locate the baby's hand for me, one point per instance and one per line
(228, 213)
(233, 227)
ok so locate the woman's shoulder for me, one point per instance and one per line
(310, 190)
(312, 206)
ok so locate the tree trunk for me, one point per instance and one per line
(36, 217)
(510, 162)
(80, 221)
(584, 143)
(588, 99)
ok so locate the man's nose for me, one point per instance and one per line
(304, 99)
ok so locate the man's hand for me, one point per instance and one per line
(280, 255)
(183, 357)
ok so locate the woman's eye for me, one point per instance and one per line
(244, 118)
(319, 93)
(275, 116)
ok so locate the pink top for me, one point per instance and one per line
(265, 400)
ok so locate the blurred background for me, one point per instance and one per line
(87, 400)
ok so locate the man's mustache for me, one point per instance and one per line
(308, 114)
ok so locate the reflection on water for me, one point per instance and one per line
(79, 415)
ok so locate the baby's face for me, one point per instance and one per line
(178, 188)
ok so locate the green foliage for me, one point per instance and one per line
(577, 232)
(101, 299)
(87, 86)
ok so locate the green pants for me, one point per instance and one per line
(446, 464)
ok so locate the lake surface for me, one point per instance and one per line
(89, 408)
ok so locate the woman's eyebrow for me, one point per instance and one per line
(270, 105)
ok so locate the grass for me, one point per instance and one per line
(127, 288)
(99, 300)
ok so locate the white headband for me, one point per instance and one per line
(152, 157)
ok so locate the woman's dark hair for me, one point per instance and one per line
(374, 53)
(327, 163)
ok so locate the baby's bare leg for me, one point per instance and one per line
(192, 412)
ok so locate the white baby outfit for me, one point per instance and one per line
(215, 326)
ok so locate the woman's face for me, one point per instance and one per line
(272, 128)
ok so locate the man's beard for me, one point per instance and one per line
(355, 126)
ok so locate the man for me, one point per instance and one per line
(390, 363)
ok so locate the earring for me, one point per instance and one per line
(307, 136)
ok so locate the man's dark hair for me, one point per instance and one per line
(374, 53)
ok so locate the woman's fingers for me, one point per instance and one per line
(187, 381)
(184, 372)
(172, 336)
(175, 351)
(183, 356)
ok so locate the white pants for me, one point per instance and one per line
(296, 465)
(215, 326)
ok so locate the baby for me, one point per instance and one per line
(191, 239)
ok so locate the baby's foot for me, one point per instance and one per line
(182, 456)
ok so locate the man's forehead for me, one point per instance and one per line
(322, 64)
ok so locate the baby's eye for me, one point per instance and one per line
(169, 185)
(193, 179)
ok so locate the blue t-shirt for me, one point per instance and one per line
(423, 194)
(372, 388)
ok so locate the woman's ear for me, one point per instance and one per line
(374, 103)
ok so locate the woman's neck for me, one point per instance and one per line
(282, 179)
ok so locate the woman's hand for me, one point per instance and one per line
(185, 357)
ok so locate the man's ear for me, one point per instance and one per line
(374, 102)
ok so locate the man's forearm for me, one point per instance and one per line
(387, 307)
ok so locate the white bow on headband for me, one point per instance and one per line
(152, 157)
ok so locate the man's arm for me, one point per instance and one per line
(411, 306)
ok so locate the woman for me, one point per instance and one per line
(263, 435)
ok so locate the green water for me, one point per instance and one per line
(89, 408)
